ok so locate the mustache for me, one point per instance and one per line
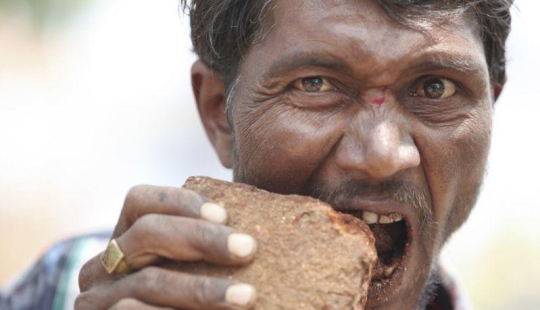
(401, 191)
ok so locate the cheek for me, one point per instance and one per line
(456, 170)
(474, 144)
(279, 147)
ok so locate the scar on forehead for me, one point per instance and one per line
(380, 98)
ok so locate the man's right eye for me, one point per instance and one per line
(314, 84)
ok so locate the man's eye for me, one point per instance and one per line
(315, 84)
(435, 88)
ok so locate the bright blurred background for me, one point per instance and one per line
(95, 98)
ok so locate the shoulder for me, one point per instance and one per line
(449, 293)
(52, 281)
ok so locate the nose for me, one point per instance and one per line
(379, 150)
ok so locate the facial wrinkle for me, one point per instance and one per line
(398, 190)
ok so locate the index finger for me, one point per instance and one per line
(147, 199)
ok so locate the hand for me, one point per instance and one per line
(157, 224)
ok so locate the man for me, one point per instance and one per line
(381, 108)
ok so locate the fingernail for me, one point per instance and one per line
(241, 245)
(240, 294)
(213, 213)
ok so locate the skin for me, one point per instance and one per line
(370, 129)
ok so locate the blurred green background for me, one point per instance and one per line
(45, 13)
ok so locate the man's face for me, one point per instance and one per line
(339, 102)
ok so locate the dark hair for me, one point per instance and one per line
(223, 30)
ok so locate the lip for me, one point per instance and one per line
(383, 291)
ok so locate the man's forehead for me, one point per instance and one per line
(337, 34)
(410, 16)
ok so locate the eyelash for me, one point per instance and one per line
(412, 91)
(326, 80)
(447, 82)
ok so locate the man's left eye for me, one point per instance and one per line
(434, 88)
(314, 84)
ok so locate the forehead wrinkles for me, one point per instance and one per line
(361, 16)
(364, 34)
(368, 39)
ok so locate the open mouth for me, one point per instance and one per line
(392, 239)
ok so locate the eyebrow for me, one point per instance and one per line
(304, 60)
(463, 64)
(459, 63)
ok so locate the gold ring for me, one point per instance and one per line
(113, 259)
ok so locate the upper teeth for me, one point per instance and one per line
(373, 218)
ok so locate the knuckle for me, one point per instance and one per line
(151, 281)
(203, 291)
(144, 225)
(205, 233)
(134, 194)
(188, 199)
(87, 277)
(82, 302)
(135, 198)
(126, 303)
(84, 277)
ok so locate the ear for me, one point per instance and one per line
(209, 92)
(498, 88)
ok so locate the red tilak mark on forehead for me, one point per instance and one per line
(378, 101)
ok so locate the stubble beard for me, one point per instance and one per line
(402, 192)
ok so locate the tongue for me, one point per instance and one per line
(383, 244)
(389, 246)
(384, 240)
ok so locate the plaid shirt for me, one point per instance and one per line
(52, 282)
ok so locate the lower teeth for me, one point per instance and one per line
(384, 271)
(389, 270)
